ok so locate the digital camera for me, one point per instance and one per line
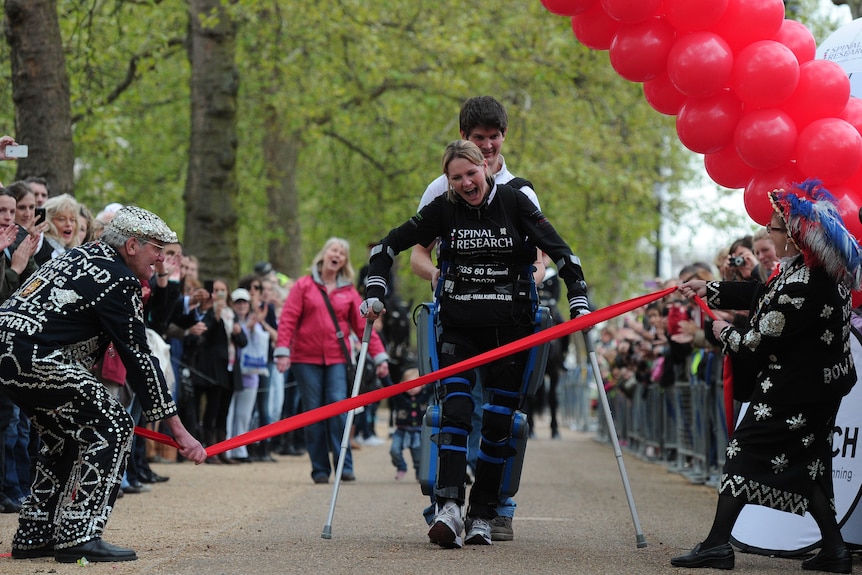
(737, 261)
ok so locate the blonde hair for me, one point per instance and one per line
(347, 271)
(409, 374)
(464, 150)
(62, 205)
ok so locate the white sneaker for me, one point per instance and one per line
(479, 532)
(447, 526)
(372, 441)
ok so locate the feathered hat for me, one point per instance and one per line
(814, 224)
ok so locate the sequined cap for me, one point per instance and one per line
(137, 222)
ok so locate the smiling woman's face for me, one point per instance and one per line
(468, 180)
(26, 211)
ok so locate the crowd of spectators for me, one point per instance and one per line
(664, 342)
(214, 340)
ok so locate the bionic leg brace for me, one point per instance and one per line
(435, 437)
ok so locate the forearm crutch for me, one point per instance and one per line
(612, 430)
(345, 438)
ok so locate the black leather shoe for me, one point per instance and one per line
(45, 550)
(718, 557)
(837, 561)
(9, 506)
(94, 551)
(152, 477)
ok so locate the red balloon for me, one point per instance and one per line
(765, 74)
(568, 7)
(854, 184)
(848, 207)
(822, 92)
(829, 149)
(765, 139)
(756, 198)
(594, 28)
(631, 11)
(852, 113)
(705, 125)
(798, 38)
(639, 52)
(700, 64)
(662, 95)
(694, 15)
(747, 21)
(727, 169)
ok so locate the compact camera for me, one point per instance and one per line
(737, 261)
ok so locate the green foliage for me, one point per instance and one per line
(129, 84)
(371, 91)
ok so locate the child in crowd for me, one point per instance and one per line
(409, 408)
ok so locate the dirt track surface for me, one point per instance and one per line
(267, 518)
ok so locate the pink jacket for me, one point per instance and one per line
(306, 332)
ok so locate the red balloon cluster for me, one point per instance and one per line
(744, 86)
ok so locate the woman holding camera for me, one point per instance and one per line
(741, 260)
(797, 351)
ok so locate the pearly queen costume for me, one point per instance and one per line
(51, 331)
(797, 352)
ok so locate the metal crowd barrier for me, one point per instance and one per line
(682, 426)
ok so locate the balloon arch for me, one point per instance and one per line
(745, 87)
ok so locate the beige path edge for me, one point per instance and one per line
(267, 519)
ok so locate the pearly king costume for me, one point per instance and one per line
(797, 347)
(51, 331)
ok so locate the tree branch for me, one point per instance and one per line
(128, 80)
(359, 151)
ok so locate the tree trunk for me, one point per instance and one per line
(211, 185)
(40, 93)
(280, 159)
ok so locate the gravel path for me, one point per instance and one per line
(267, 518)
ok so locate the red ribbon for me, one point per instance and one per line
(702, 305)
(332, 409)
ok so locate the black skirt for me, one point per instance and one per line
(778, 453)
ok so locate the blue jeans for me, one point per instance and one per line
(406, 439)
(16, 483)
(321, 385)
